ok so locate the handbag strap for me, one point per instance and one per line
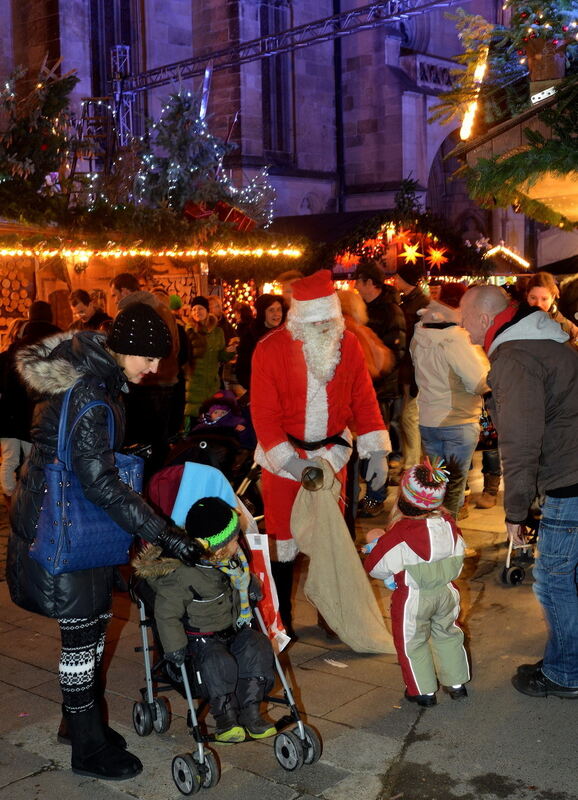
(64, 444)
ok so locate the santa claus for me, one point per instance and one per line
(310, 387)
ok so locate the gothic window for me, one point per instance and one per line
(111, 24)
(277, 85)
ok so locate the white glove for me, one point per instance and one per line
(377, 469)
(296, 465)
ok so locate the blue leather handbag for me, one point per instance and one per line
(72, 532)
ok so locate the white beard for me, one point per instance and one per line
(321, 345)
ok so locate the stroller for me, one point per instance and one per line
(520, 557)
(222, 450)
(293, 747)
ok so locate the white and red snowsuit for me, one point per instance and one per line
(286, 398)
(425, 555)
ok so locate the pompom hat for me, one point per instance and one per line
(314, 298)
(139, 331)
(213, 521)
(423, 487)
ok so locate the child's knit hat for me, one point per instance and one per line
(213, 521)
(423, 487)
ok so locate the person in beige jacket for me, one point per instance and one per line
(450, 373)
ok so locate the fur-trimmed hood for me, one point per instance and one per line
(55, 364)
(150, 563)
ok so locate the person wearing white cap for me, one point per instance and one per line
(309, 384)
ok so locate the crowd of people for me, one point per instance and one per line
(385, 384)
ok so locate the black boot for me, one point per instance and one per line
(283, 577)
(224, 709)
(250, 693)
(112, 736)
(93, 755)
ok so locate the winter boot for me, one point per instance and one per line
(250, 693)
(489, 496)
(224, 710)
(112, 736)
(93, 755)
(283, 577)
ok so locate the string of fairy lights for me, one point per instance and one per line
(84, 254)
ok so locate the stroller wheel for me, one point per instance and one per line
(142, 719)
(288, 750)
(161, 715)
(513, 575)
(209, 770)
(312, 746)
(186, 774)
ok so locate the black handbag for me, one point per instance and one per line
(72, 532)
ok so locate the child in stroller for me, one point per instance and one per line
(204, 612)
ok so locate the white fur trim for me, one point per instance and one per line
(275, 458)
(287, 550)
(316, 409)
(368, 443)
(317, 310)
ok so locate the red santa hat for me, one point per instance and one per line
(314, 298)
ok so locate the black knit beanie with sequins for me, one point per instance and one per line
(139, 331)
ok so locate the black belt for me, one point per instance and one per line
(335, 439)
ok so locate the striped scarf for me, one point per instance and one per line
(237, 570)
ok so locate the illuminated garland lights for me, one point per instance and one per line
(217, 252)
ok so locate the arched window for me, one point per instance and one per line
(277, 83)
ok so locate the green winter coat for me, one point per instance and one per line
(208, 351)
(203, 595)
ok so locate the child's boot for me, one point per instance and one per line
(250, 693)
(224, 710)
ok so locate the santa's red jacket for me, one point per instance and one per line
(286, 398)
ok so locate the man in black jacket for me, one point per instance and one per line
(386, 320)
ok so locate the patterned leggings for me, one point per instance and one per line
(81, 655)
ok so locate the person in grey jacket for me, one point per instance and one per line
(534, 382)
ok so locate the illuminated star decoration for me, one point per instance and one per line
(410, 253)
(437, 256)
(401, 236)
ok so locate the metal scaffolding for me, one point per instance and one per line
(323, 30)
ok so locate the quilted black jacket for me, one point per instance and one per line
(50, 368)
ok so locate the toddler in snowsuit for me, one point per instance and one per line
(234, 660)
(418, 557)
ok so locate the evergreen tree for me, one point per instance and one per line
(36, 138)
(182, 160)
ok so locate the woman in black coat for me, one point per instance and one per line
(270, 313)
(98, 369)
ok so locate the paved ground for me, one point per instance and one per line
(496, 744)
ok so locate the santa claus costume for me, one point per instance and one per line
(310, 388)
